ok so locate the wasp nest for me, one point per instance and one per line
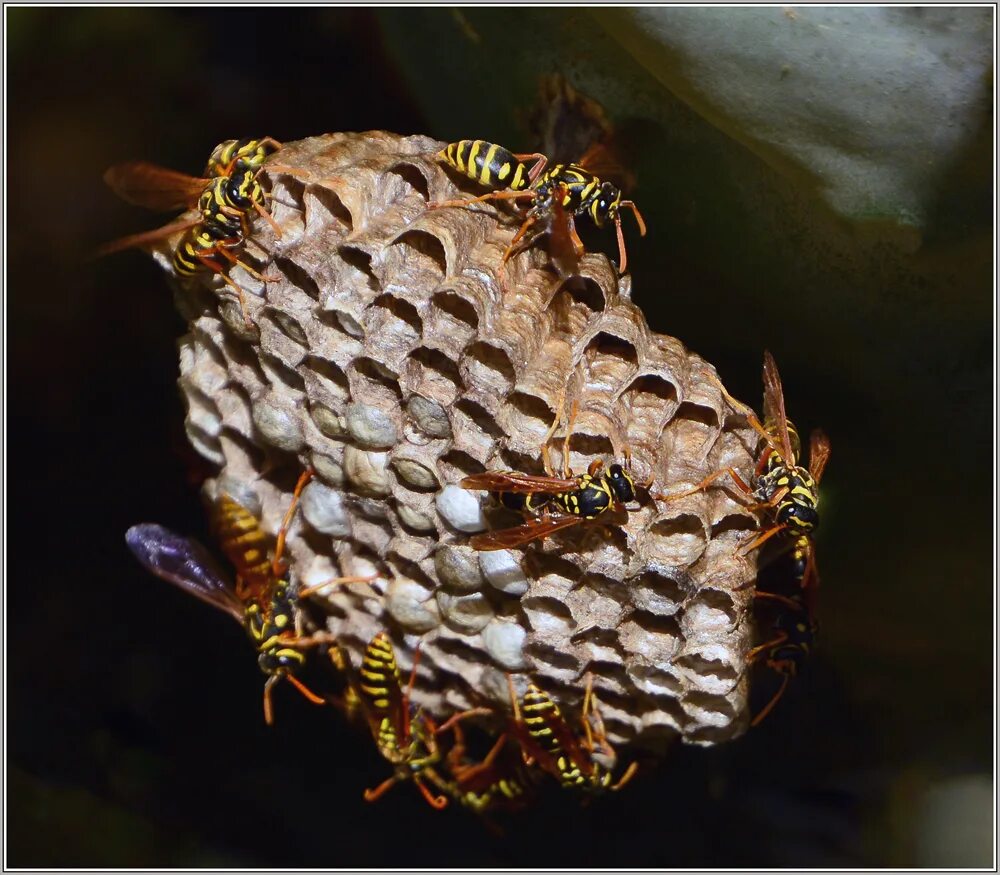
(390, 354)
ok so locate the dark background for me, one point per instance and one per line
(134, 727)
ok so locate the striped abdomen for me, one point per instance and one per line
(545, 724)
(198, 244)
(487, 164)
(248, 153)
(241, 537)
(380, 686)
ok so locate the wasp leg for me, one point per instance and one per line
(778, 640)
(218, 269)
(264, 278)
(711, 478)
(560, 408)
(264, 214)
(574, 411)
(629, 774)
(336, 581)
(504, 194)
(536, 169)
(301, 687)
(279, 548)
(461, 715)
(744, 549)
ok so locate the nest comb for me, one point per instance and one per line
(387, 355)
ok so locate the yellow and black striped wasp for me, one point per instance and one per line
(780, 485)
(791, 642)
(224, 198)
(557, 194)
(407, 741)
(553, 503)
(547, 739)
(264, 599)
(501, 780)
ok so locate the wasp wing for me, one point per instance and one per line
(819, 453)
(185, 563)
(503, 539)
(154, 187)
(601, 160)
(774, 408)
(146, 238)
(511, 481)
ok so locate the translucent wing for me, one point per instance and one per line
(185, 563)
(601, 160)
(774, 408)
(503, 539)
(154, 187)
(146, 238)
(819, 453)
(511, 481)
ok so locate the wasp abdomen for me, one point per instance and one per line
(486, 163)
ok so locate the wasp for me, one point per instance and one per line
(225, 198)
(557, 194)
(780, 485)
(554, 502)
(794, 632)
(548, 739)
(406, 741)
(265, 603)
(500, 780)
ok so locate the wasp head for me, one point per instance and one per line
(604, 206)
(801, 517)
(622, 484)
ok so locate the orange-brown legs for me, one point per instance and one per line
(461, 715)
(536, 169)
(264, 214)
(573, 413)
(502, 195)
(758, 540)
(560, 408)
(208, 260)
(776, 641)
(336, 581)
(276, 565)
(708, 481)
(295, 682)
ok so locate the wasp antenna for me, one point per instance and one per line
(638, 216)
(622, 257)
(268, 709)
(770, 705)
(380, 790)
(302, 688)
(438, 803)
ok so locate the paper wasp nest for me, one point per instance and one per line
(389, 359)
